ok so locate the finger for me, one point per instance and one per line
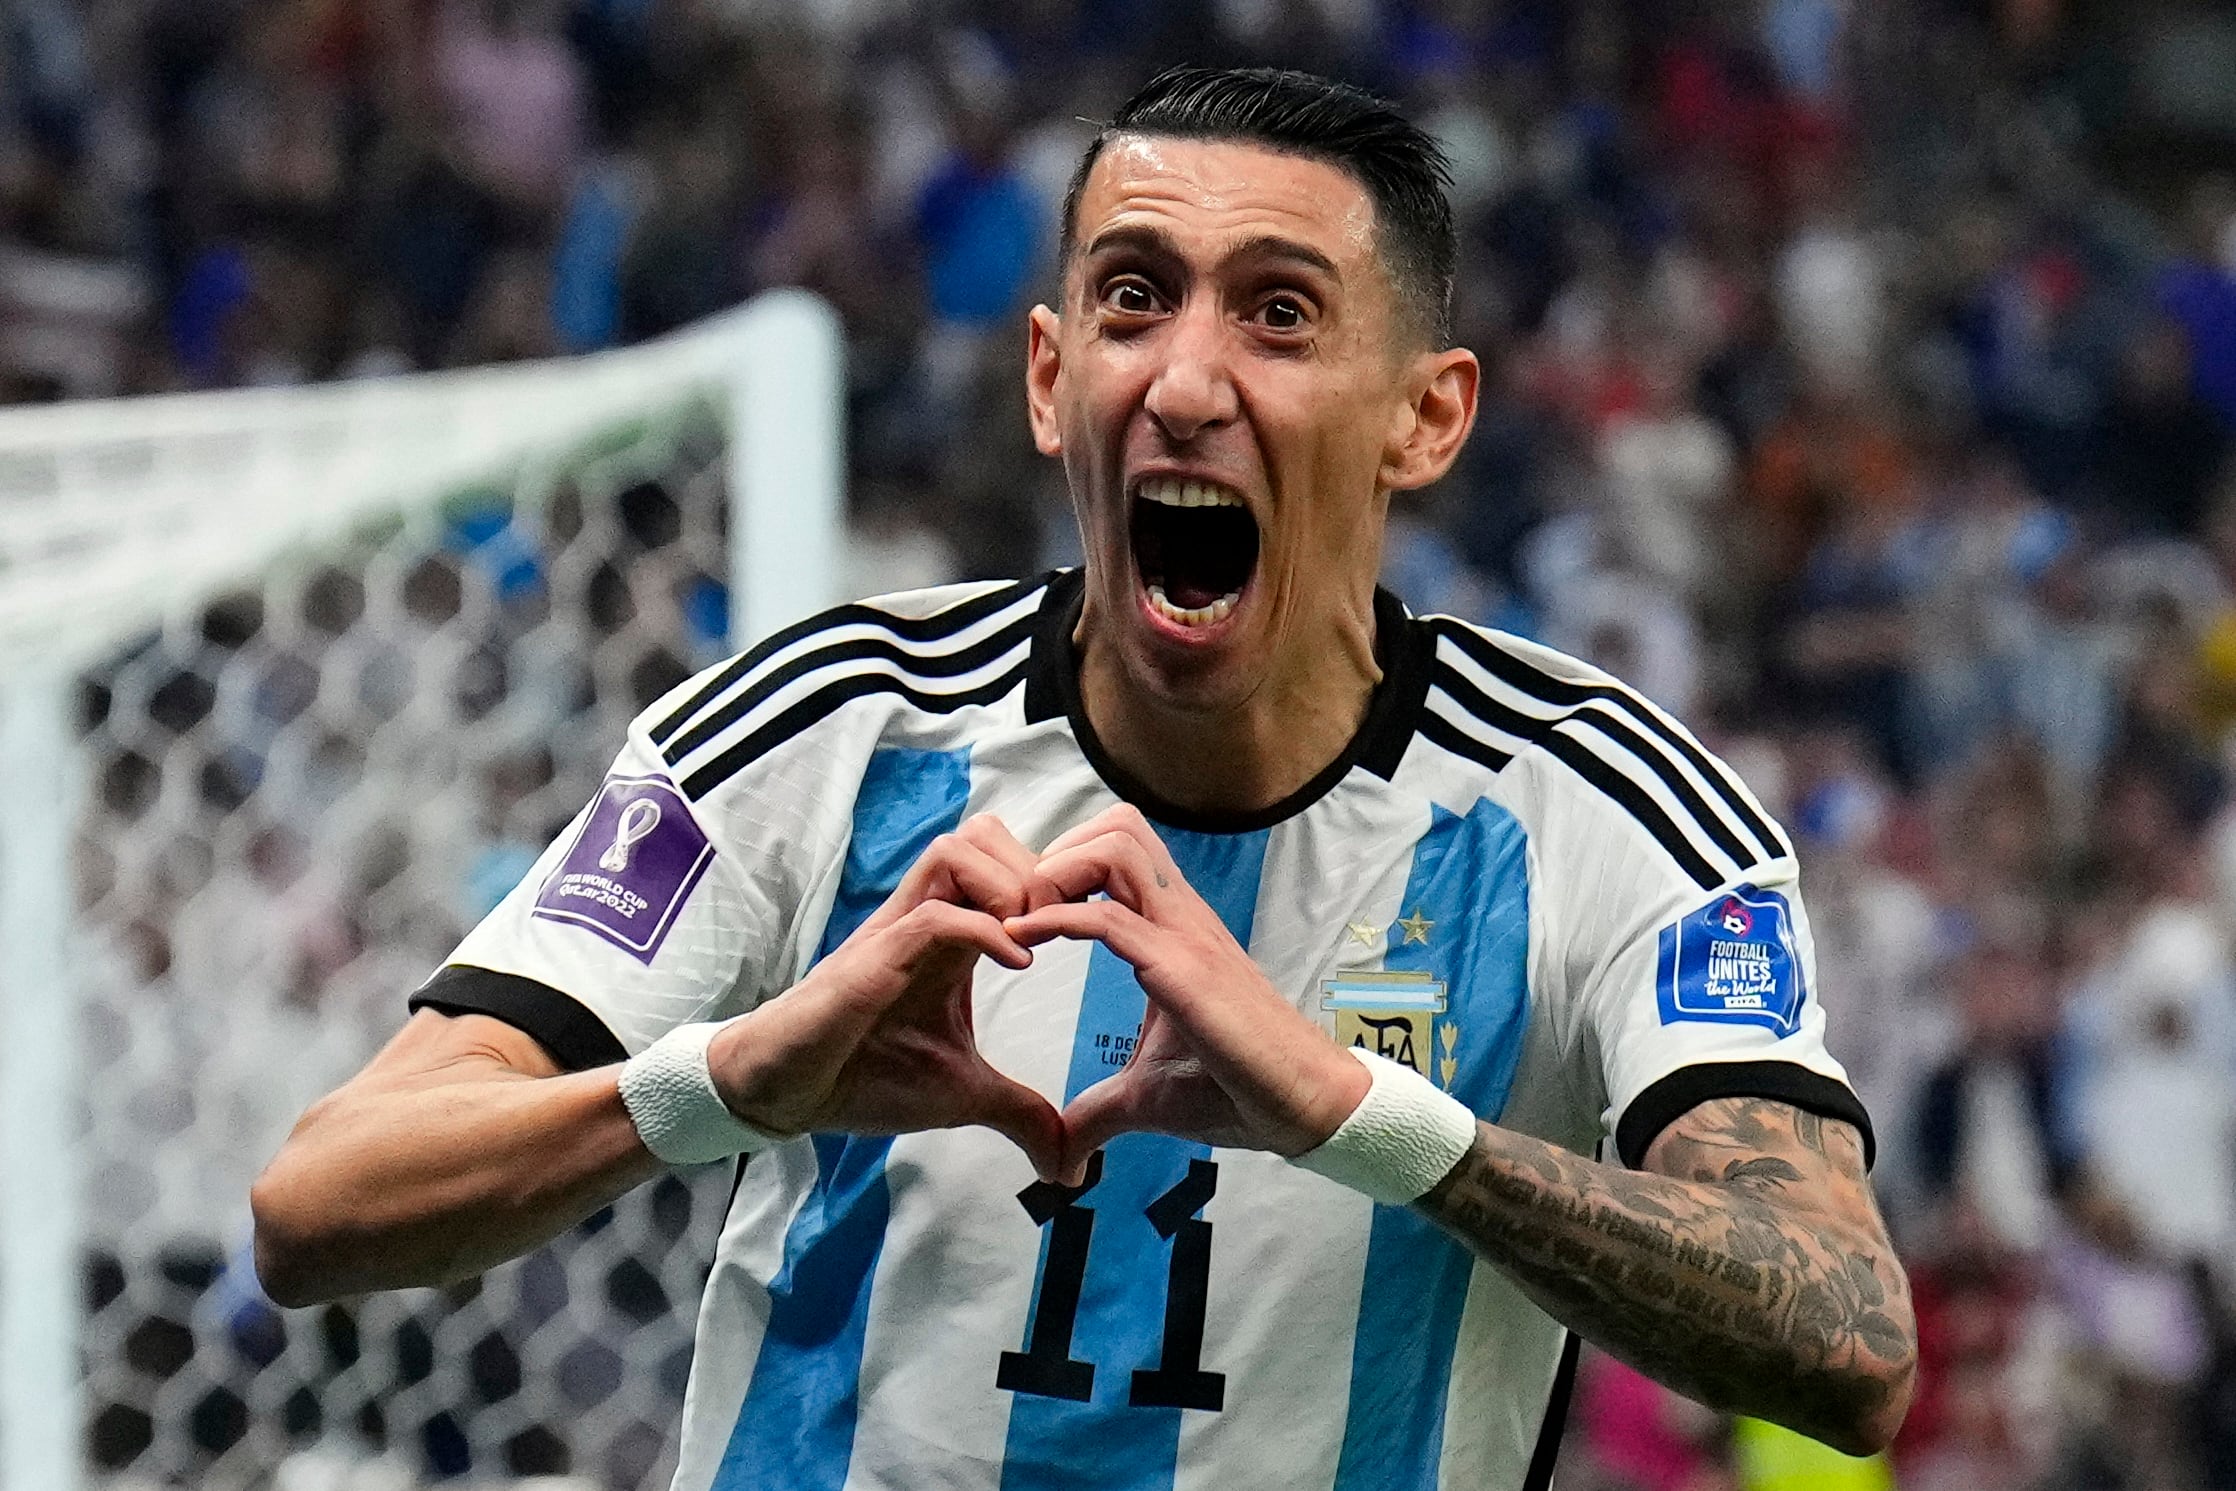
(937, 925)
(1136, 854)
(1124, 818)
(1022, 1116)
(977, 878)
(1094, 1118)
(1111, 862)
(954, 869)
(989, 833)
(1120, 928)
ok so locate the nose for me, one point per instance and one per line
(1193, 391)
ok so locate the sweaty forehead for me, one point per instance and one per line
(1212, 192)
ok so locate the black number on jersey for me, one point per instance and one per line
(1046, 1366)
(1178, 1380)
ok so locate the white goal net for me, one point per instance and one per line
(310, 677)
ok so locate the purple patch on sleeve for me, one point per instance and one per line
(630, 869)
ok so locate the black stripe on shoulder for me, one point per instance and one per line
(1441, 731)
(1581, 760)
(908, 628)
(920, 666)
(820, 705)
(1685, 1089)
(563, 1025)
(1566, 693)
(1555, 1422)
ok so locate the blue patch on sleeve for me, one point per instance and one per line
(1733, 961)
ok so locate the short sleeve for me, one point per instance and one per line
(647, 912)
(1675, 992)
(700, 878)
(1716, 997)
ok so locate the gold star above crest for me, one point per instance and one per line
(1417, 927)
(1362, 933)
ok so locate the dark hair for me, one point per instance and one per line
(1403, 170)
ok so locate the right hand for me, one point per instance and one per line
(877, 1039)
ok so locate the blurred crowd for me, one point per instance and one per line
(1861, 385)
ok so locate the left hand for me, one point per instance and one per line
(1223, 1058)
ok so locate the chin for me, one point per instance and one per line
(1201, 680)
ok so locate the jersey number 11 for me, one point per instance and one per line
(1046, 1367)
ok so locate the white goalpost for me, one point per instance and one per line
(290, 682)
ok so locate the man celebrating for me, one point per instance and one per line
(1170, 1006)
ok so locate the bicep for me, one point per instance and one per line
(434, 1049)
(435, 1046)
(1785, 1154)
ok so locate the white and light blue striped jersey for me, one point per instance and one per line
(1520, 878)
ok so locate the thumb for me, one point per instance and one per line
(1095, 1117)
(1022, 1116)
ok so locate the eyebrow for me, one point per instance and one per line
(1146, 239)
(1273, 246)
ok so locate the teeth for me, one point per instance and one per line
(1218, 610)
(1166, 491)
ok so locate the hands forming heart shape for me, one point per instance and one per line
(877, 1039)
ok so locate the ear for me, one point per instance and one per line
(1428, 433)
(1043, 364)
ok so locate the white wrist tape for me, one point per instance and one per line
(1404, 1137)
(670, 1094)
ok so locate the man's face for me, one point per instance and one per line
(1234, 393)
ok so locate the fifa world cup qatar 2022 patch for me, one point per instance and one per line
(630, 868)
(1733, 961)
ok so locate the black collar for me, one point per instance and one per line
(1403, 647)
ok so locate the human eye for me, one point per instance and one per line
(1285, 313)
(1129, 295)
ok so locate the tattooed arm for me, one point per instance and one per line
(1750, 1270)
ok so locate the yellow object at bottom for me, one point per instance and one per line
(1775, 1459)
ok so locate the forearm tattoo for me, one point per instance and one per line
(1752, 1272)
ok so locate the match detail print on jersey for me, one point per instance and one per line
(1733, 960)
(631, 868)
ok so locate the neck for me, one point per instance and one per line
(1246, 758)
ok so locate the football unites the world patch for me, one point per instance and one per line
(630, 868)
(1734, 961)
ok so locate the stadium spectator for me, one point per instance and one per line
(2163, 447)
(1990, 1138)
(1855, 373)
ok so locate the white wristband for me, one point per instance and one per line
(1404, 1137)
(669, 1091)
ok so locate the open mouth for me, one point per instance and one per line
(1195, 545)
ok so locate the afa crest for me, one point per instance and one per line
(1394, 1015)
